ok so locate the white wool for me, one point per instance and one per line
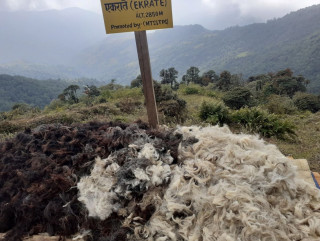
(149, 152)
(102, 191)
(95, 190)
(141, 174)
(226, 187)
(158, 173)
(234, 187)
(82, 235)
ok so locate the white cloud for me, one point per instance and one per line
(262, 8)
(213, 14)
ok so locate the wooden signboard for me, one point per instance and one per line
(136, 15)
(139, 16)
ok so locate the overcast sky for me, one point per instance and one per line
(212, 14)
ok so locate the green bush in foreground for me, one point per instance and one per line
(260, 121)
(214, 113)
(191, 90)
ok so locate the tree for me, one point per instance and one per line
(224, 82)
(70, 94)
(185, 79)
(169, 76)
(286, 85)
(236, 80)
(209, 77)
(281, 83)
(137, 82)
(192, 75)
(238, 98)
(286, 72)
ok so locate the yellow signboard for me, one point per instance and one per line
(136, 15)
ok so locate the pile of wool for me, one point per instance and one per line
(40, 169)
(222, 187)
(107, 181)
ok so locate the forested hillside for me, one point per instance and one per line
(38, 93)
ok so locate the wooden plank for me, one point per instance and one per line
(45, 237)
(146, 75)
(317, 178)
(303, 170)
(301, 164)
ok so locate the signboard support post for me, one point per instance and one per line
(146, 75)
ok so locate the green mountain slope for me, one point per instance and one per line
(72, 44)
(18, 89)
(288, 42)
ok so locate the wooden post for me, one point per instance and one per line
(146, 75)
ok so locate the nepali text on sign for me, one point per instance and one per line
(132, 15)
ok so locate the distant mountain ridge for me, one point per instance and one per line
(289, 42)
(39, 93)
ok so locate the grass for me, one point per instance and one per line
(306, 145)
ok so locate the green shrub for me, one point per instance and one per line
(305, 101)
(55, 105)
(105, 94)
(127, 92)
(102, 100)
(238, 98)
(8, 127)
(169, 104)
(173, 110)
(128, 105)
(212, 94)
(260, 121)
(191, 91)
(280, 105)
(214, 113)
(23, 108)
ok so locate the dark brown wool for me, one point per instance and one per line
(40, 168)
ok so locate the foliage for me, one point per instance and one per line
(209, 77)
(173, 110)
(238, 98)
(280, 105)
(91, 90)
(192, 76)
(169, 104)
(128, 105)
(305, 101)
(214, 112)
(224, 82)
(281, 83)
(137, 82)
(18, 89)
(69, 94)
(169, 76)
(191, 90)
(135, 93)
(8, 127)
(260, 121)
(54, 105)
(111, 86)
